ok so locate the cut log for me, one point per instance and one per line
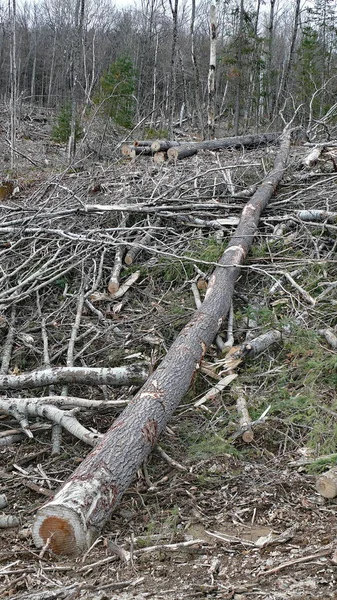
(126, 150)
(163, 145)
(245, 422)
(326, 484)
(160, 157)
(85, 502)
(185, 151)
(130, 151)
(246, 141)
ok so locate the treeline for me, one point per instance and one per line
(152, 60)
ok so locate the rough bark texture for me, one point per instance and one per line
(81, 508)
(247, 141)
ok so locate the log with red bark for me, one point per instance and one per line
(246, 141)
(75, 517)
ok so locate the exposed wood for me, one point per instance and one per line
(311, 159)
(160, 157)
(131, 150)
(246, 141)
(113, 284)
(216, 390)
(245, 422)
(126, 150)
(163, 145)
(186, 151)
(326, 484)
(82, 506)
(126, 285)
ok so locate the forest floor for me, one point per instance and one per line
(232, 519)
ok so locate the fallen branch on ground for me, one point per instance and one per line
(116, 376)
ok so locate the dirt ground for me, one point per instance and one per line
(228, 520)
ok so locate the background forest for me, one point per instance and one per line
(152, 60)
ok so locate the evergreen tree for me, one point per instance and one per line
(117, 92)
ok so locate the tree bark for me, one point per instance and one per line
(116, 376)
(13, 79)
(82, 506)
(211, 71)
(247, 141)
(163, 145)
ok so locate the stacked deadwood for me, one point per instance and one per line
(162, 150)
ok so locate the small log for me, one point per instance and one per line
(311, 159)
(163, 145)
(144, 150)
(330, 337)
(126, 150)
(130, 151)
(113, 285)
(126, 285)
(86, 500)
(160, 157)
(117, 376)
(245, 422)
(321, 216)
(326, 484)
(181, 152)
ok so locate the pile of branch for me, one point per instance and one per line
(162, 150)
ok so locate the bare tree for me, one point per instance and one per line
(196, 73)
(13, 78)
(79, 17)
(211, 71)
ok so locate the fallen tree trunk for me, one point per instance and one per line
(76, 515)
(181, 152)
(163, 145)
(246, 141)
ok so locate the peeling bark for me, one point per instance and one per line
(80, 509)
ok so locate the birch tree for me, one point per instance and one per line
(79, 18)
(211, 71)
(13, 78)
